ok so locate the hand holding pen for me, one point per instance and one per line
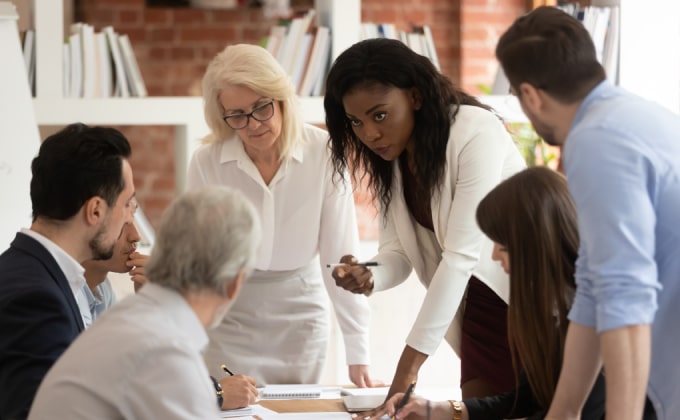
(401, 405)
(404, 399)
(238, 391)
(353, 275)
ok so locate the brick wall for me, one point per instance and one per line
(173, 46)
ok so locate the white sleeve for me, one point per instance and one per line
(196, 177)
(339, 236)
(480, 163)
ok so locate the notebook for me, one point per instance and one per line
(290, 392)
(359, 403)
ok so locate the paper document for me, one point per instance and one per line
(365, 391)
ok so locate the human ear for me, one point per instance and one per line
(94, 210)
(235, 286)
(416, 98)
(531, 97)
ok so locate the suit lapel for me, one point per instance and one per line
(404, 223)
(34, 248)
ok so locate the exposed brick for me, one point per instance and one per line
(182, 53)
(186, 16)
(206, 34)
(157, 16)
(160, 35)
(130, 17)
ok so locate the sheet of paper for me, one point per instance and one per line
(253, 410)
(365, 391)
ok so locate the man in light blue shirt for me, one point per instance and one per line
(621, 155)
(98, 290)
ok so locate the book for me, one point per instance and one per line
(121, 85)
(317, 63)
(290, 392)
(76, 66)
(104, 65)
(134, 76)
(29, 57)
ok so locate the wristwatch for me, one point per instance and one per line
(219, 392)
(457, 410)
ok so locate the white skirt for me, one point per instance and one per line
(277, 331)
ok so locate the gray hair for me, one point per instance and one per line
(205, 238)
(253, 67)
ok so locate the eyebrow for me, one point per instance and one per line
(368, 111)
(253, 105)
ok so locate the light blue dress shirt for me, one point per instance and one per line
(622, 160)
(102, 298)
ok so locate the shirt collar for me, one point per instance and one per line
(603, 88)
(73, 271)
(232, 150)
(179, 312)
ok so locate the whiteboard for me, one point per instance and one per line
(19, 136)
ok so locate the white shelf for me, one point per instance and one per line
(185, 113)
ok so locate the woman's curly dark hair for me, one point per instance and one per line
(391, 63)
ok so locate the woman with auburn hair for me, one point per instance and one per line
(278, 329)
(531, 219)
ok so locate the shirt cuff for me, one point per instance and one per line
(357, 349)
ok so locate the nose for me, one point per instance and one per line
(372, 132)
(495, 255)
(133, 233)
(253, 123)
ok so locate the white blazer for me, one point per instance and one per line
(480, 154)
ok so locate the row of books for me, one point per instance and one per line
(419, 39)
(303, 49)
(603, 24)
(95, 64)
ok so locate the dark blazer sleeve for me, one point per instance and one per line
(503, 406)
(514, 404)
(37, 328)
(39, 319)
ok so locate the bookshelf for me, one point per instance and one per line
(183, 112)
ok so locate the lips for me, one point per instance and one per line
(382, 151)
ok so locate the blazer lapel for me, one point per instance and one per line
(33, 247)
(403, 223)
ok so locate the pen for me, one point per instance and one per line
(226, 369)
(404, 399)
(363, 264)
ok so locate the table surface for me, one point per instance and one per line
(304, 406)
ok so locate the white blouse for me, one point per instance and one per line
(304, 214)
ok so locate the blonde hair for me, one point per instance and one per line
(253, 67)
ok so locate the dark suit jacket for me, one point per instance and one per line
(39, 318)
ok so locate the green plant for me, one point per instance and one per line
(534, 150)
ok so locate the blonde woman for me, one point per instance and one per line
(278, 330)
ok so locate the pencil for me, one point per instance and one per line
(363, 264)
(404, 399)
(226, 369)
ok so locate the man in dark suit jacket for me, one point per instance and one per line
(82, 196)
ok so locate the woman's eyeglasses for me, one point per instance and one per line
(262, 113)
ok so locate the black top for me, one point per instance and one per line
(503, 406)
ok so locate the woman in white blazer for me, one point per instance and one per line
(431, 153)
(278, 329)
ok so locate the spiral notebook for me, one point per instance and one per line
(290, 392)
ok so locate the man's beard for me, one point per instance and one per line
(101, 251)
